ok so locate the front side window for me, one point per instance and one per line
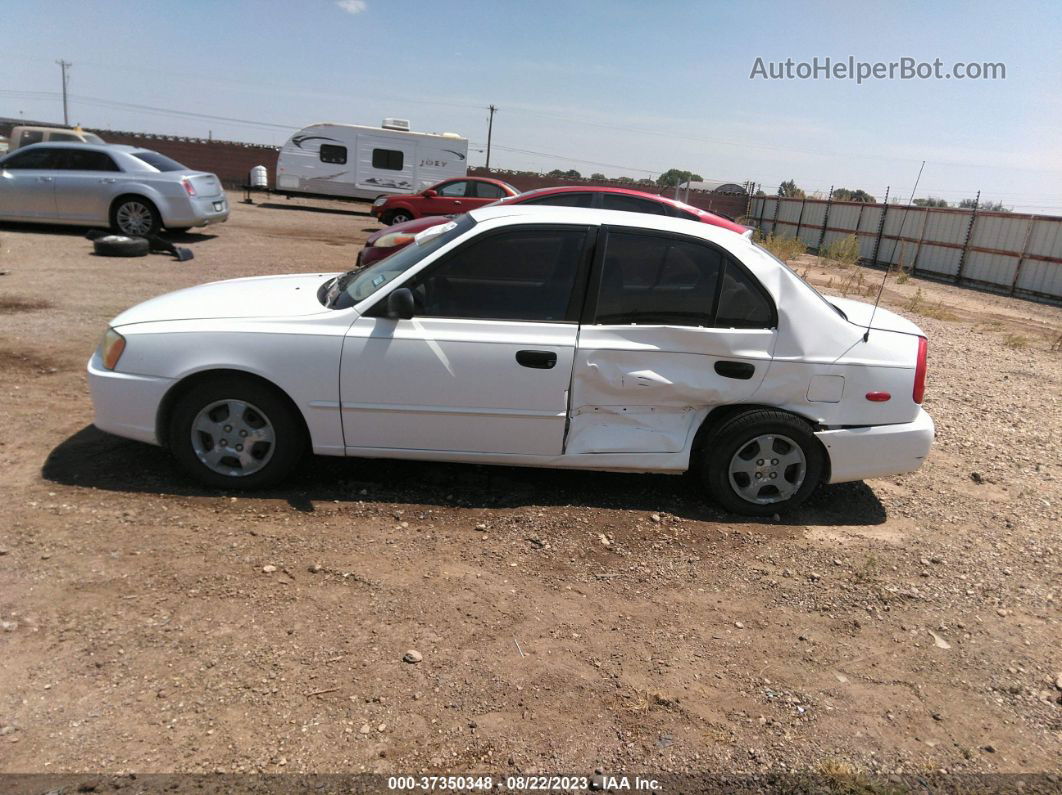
(631, 204)
(565, 200)
(453, 190)
(63, 137)
(31, 137)
(387, 159)
(35, 159)
(652, 279)
(526, 274)
(330, 153)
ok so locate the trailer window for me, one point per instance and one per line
(390, 159)
(333, 154)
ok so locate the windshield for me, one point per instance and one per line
(364, 283)
(158, 162)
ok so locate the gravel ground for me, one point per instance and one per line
(390, 616)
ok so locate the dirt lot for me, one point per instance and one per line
(598, 620)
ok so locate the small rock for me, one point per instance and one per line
(976, 477)
(268, 569)
(315, 568)
(365, 729)
(989, 749)
(481, 528)
(8, 626)
(412, 656)
(604, 540)
(655, 517)
(1003, 612)
(815, 577)
(739, 625)
(1058, 681)
(382, 727)
(4, 551)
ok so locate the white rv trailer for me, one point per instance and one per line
(361, 162)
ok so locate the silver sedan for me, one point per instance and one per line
(134, 191)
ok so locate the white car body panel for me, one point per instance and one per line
(626, 398)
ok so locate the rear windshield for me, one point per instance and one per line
(158, 162)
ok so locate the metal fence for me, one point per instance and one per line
(1014, 254)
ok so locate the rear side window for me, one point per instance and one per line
(631, 204)
(651, 279)
(87, 160)
(35, 158)
(524, 274)
(742, 303)
(565, 200)
(485, 190)
(330, 153)
(388, 159)
(157, 161)
(31, 137)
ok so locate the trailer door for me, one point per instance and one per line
(385, 164)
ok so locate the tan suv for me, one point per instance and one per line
(24, 136)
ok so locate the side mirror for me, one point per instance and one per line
(430, 193)
(400, 304)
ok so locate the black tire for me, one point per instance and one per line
(398, 217)
(289, 437)
(744, 434)
(120, 246)
(135, 216)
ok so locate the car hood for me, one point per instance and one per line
(409, 227)
(261, 296)
(858, 313)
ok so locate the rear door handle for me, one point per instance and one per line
(46, 179)
(538, 360)
(109, 180)
(742, 371)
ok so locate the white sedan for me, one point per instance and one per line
(529, 336)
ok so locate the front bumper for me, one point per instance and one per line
(877, 450)
(126, 405)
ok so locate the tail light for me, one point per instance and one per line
(920, 372)
(189, 188)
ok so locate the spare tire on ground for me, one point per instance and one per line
(120, 246)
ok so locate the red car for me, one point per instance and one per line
(387, 241)
(449, 197)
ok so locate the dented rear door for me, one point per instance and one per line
(674, 326)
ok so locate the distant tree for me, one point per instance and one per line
(598, 176)
(790, 190)
(676, 176)
(930, 201)
(645, 181)
(555, 173)
(858, 195)
(571, 173)
(625, 180)
(760, 193)
(995, 207)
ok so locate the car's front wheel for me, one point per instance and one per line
(761, 462)
(399, 217)
(236, 433)
(135, 216)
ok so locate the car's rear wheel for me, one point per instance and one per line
(399, 217)
(135, 216)
(761, 462)
(236, 433)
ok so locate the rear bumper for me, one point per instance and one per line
(877, 450)
(197, 212)
(126, 405)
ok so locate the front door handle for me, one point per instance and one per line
(538, 360)
(46, 179)
(742, 371)
(109, 180)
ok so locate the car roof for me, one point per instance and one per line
(82, 145)
(545, 213)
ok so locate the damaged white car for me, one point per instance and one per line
(530, 336)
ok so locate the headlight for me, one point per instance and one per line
(394, 239)
(379, 202)
(111, 348)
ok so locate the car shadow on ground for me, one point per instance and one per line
(310, 209)
(83, 231)
(93, 459)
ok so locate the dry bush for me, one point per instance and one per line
(785, 248)
(1015, 342)
(844, 250)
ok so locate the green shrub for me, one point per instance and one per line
(844, 250)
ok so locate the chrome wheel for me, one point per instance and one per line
(134, 218)
(768, 469)
(400, 218)
(233, 438)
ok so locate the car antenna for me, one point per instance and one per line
(888, 267)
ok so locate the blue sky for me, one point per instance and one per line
(604, 85)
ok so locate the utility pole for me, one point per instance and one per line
(490, 130)
(64, 65)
